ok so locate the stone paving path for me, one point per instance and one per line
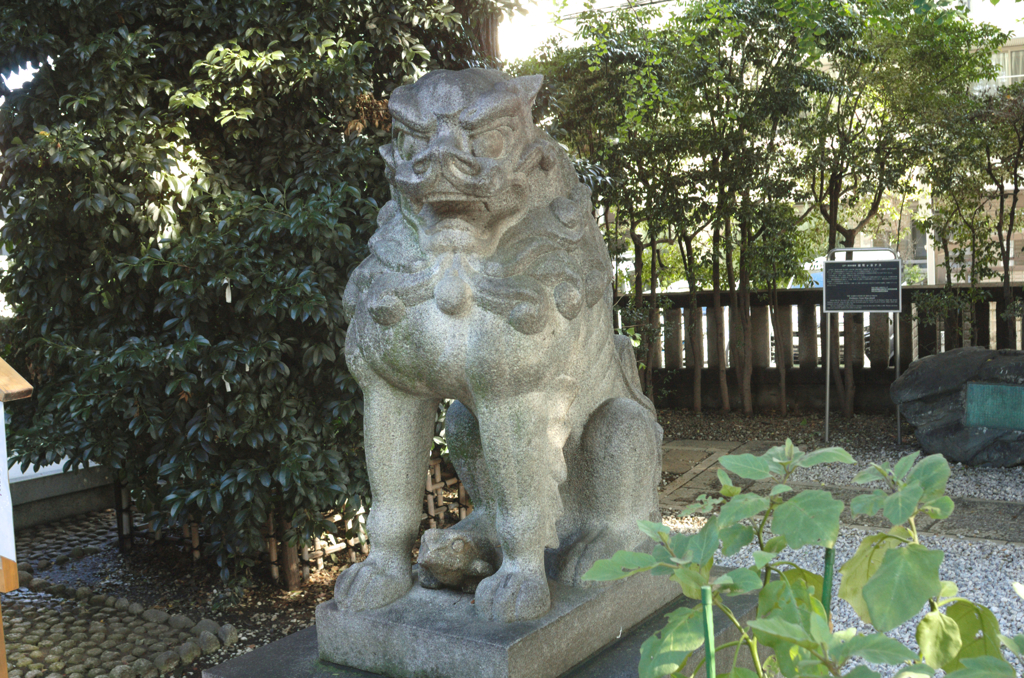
(53, 631)
(697, 461)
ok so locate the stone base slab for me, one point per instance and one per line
(297, 655)
(437, 633)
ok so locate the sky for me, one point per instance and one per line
(521, 35)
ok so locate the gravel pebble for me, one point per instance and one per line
(984, 572)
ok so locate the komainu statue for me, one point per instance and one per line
(488, 283)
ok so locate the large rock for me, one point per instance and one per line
(933, 395)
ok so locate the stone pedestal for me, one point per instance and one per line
(297, 655)
(437, 634)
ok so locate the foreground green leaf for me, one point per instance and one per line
(984, 667)
(900, 506)
(826, 455)
(868, 504)
(623, 564)
(741, 580)
(938, 636)
(877, 649)
(859, 569)
(740, 508)
(665, 651)
(746, 466)
(979, 631)
(811, 517)
(933, 473)
(735, 538)
(904, 582)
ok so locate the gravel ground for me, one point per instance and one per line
(870, 439)
(983, 571)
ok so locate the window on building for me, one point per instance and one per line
(1011, 69)
(1011, 66)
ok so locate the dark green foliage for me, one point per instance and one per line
(186, 187)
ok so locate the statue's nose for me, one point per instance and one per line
(445, 152)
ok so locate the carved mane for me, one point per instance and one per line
(549, 258)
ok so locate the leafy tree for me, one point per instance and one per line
(186, 186)
(960, 221)
(890, 76)
(1002, 123)
(750, 79)
(610, 109)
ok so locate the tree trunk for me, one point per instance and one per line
(289, 561)
(716, 299)
(780, 358)
(653, 321)
(743, 310)
(694, 328)
(483, 26)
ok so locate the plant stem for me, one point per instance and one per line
(709, 631)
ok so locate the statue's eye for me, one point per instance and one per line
(489, 144)
(458, 545)
(409, 144)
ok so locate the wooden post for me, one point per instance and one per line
(655, 318)
(953, 331)
(12, 387)
(853, 340)
(673, 338)
(275, 573)
(879, 349)
(808, 328)
(1002, 325)
(784, 340)
(760, 343)
(712, 337)
(906, 338)
(694, 337)
(981, 324)
(289, 561)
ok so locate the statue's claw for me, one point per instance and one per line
(512, 595)
(372, 583)
(595, 544)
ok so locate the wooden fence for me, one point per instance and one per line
(869, 342)
(445, 501)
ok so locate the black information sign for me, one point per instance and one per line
(862, 286)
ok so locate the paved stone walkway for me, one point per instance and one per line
(697, 461)
(52, 631)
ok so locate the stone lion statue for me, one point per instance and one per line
(488, 283)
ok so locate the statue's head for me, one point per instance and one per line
(464, 150)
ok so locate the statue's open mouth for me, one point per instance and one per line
(455, 204)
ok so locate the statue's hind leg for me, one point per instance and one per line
(622, 465)
(462, 432)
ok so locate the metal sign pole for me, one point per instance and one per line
(899, 422)
(863, 287)
(828, 370)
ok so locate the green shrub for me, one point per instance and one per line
(185, 187)
(888, 581)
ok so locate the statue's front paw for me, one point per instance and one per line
(596, 543)
(512, 595)
(370, 584)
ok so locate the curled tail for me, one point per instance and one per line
(630, 374)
